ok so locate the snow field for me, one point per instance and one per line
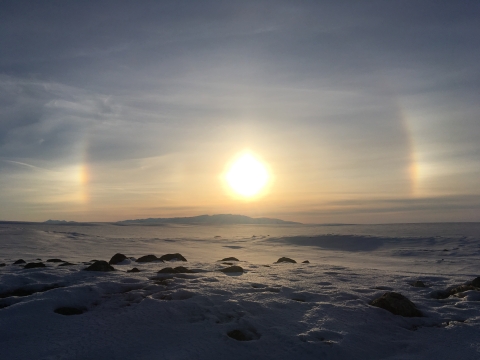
(285, 311)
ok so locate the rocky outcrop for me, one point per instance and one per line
(306, 262)
(69, 311)
(117, 258)
(19, 261)
(34, 265)
(134, 270)
(230, 259)
(457, 289)
(100, 266)
(232, 269)
(177, 270)
(170, 257)
(244, 334)
(66, 263)
(285, 259)
(28, 290)
(476, 282)
(147, 258)
(397, 304)
(238, 335)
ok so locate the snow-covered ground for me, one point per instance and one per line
(316, 310)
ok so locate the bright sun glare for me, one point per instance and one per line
(247, 176)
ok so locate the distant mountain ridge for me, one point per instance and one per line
(218, 219)
(59, 222)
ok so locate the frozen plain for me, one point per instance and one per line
(318, 310)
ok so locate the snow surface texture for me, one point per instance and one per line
(317, 310)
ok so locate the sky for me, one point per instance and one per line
(362, 111)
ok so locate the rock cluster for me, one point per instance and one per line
(457, 289)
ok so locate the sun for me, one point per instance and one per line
(247, 176)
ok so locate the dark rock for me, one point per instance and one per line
(453, 290)
(286, 259)
(34, 265)
(476, 282)
(19, 261)
(169, 257)
(134, 270)
(55, 260)
(27, 291)
(238, 335)
(161, 282)
(461, 288)
(117, 258)
(69, 311)
(397, 304)
(227, 263)
(440, 294)
(243, 335)
(306, 262)
(2, 264)
(419, 283)
(147, 258)
(18, 292)
(183, 270)
(298, 299)
(232, 269)
(66, 263)
(100, 266)
(177, 270)
(230, 259)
